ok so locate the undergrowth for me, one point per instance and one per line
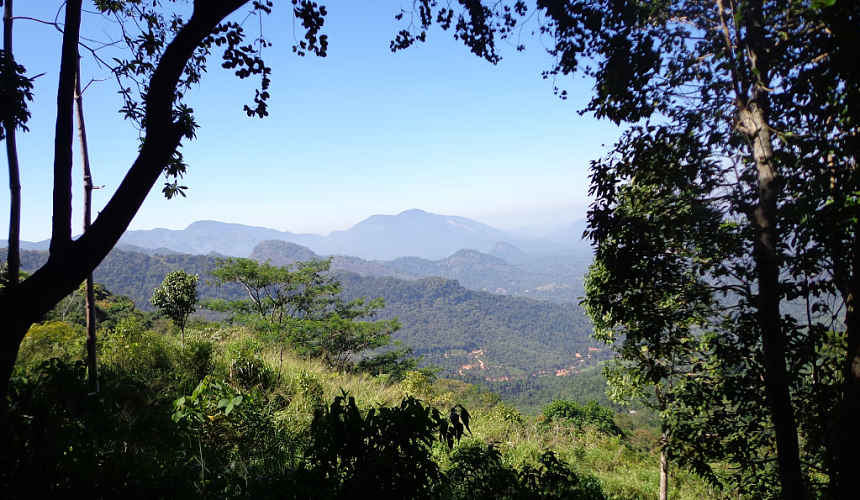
(226, 415)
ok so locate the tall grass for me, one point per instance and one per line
(127, 430)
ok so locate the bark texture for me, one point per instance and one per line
(753, 123)
(849, 461)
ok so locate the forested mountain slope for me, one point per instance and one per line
(487, 335)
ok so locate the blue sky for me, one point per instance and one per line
(360, 132)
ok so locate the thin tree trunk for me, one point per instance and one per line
(92, 363)
(14, 256)
(663, 494)
(664, 468)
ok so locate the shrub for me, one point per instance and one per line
(384, 452)
(51, 339)
(245, 363)
(197, 356)
(223, 428)
(590, 414)
(477, 472)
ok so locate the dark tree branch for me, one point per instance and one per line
(70, 262)
(61, 228)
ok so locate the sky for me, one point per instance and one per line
(360, 132)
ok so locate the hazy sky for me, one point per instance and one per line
(360, 132)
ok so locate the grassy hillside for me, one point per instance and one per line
(228, 416)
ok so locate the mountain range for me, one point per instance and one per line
(460, 288)
(410, 245)
(413, 233)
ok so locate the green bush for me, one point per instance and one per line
(477, 472)
(197, 356)
(245, 363)
(51, 339)
(224, 428)
(590, 414)
(308, 386)
(62, 441)
(383, 453)
(137, 353)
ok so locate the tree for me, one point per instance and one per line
(727, 211)
(663, 346)
(17, 90)
(300, 304)
(177, 298)
(762, 102)
(92, 364)
(277, 294)
(703, 221)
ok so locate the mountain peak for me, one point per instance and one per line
(281, 253)
(413, 212)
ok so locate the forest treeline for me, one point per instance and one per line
(555, 276)
(517, 336)
(440, 319)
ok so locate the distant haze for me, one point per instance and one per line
(411, 233)
(323, 220)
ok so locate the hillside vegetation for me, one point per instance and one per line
(230, 415)
(494, 335)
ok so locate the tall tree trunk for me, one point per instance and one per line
(14, 256)
(769, 318)
(92, 363)
(753, 123)
(849, 460)
(841, 19)
(61, 224)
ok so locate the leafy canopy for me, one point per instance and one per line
(177, 297)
